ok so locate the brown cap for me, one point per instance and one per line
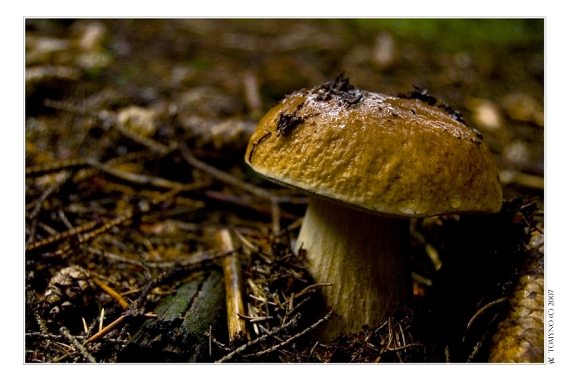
(392, 155)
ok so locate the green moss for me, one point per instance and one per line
(470, 34)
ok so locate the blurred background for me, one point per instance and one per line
(490, 69)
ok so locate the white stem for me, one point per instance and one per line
(364, 256)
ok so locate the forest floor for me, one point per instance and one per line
(135, 135)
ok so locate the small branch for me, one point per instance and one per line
(232, 280)
(249, 344)
(64, 219)
(110, 118)
(480, 343)
(82, 175)
(197, 258)
(311, 288)
(225, 177)
(101, 319)
(293, 309)
(64, 235)
(77, 345)
(146, 207)
(139, 179)
(106, 329)
(116, 296)
(146, 141)
(254, 319)
(247, 201)
(53, 166)
(64, 177)
(399, 348)
(86, 173)
(151, 194)
(312, 350)
(107, 226)
(285, 342)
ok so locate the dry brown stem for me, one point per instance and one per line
(232, 278)
(106, 329)
(116, 296)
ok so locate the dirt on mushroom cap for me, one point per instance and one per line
(382, 153)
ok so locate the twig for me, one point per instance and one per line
(223, 176)
(83, 174)
(43, 335)
(151, 194)
(219, 344)
(130, 312)
(312, 350)
(247, 201)
(311, 288)
(146, 141)
(107, 226)
(112, 293)
(249, 245)
(101, 318)
(64, 235)
(106, 329)
(110, 118)
(197, 258)
(45, 227)
(64, 219)
(481, 310)
(296, 224)
(77, 345)
(233, 285)
(402, 334)
(285, 342)
(249, 344)
(399, 348)
(293, 309)
(64, 177)
(52, 166)
(481, 341)
(139, 179)
(146, 207)
(254, 319)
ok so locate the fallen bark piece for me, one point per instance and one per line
(179, 332)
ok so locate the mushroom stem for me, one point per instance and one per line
(364, 256)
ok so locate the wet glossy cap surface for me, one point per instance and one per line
(385, 154)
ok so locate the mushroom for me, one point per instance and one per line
(369, 163)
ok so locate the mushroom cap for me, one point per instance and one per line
(384, 154)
